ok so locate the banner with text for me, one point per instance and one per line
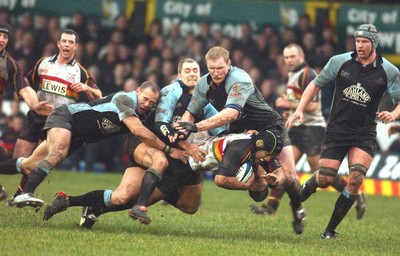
(226, 15)
(386, 18)
(104, 10)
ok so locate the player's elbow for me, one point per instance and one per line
(220, 180)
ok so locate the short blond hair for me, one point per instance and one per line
(216, 53)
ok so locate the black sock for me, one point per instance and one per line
(342, 206)
(339, 183)
(275, 197)
(309, 187)
(93, 198)
(294, 193)
(117, 208)
(37, 176)
(149, 183)
(9, 166)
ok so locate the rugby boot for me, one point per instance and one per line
(10, 201)
(88, 217)
(27, 200)
(263, 210)
(139, 212)
(298, 220)
(59, 204)
(329, 234)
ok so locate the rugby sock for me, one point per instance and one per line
(9, 166)
(275, 197)
(21, 185)
(294, 193)
(309, 187)
(37, 176)
(339, 183)
(342, 206)
(116, 208)
(93, 198)
(150, 180)
(359, 199)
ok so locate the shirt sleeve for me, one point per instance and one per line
(330, 71)
(393, 83)
(126, 105)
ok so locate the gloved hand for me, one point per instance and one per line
(190, 127)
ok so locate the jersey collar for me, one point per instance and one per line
(54, 58)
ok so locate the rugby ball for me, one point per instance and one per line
(244, 172)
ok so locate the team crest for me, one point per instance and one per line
(259, 143)
(109, 127)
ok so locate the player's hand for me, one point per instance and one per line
(282, 102)
(179, 154)
(78, 87)
(393, 129)
(172, 138)
(296, 115)
(385, 117)
(198, 154)
(43, 108)
(186, 127)
(272, 179)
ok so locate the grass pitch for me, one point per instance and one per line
(222, 226)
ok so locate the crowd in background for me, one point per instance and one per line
(118, 60)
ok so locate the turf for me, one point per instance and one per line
(222, 226)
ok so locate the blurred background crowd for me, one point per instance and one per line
(118, 60)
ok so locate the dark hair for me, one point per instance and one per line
(5, 27)
(70, 32)
(185, 60)
(151, 85)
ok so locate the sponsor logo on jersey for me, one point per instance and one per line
(54, 87)
(235, 92)
(164, 130)
(109, 127)
(357, 93)
(345, 74)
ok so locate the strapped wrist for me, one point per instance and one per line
(166, 149)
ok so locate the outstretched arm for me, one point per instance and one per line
(308, 94)
(30, 97)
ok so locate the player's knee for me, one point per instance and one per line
(326, 176)
(160, 161)
(219, 180)
(191, 209)
(357, 173)
(57, 156)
